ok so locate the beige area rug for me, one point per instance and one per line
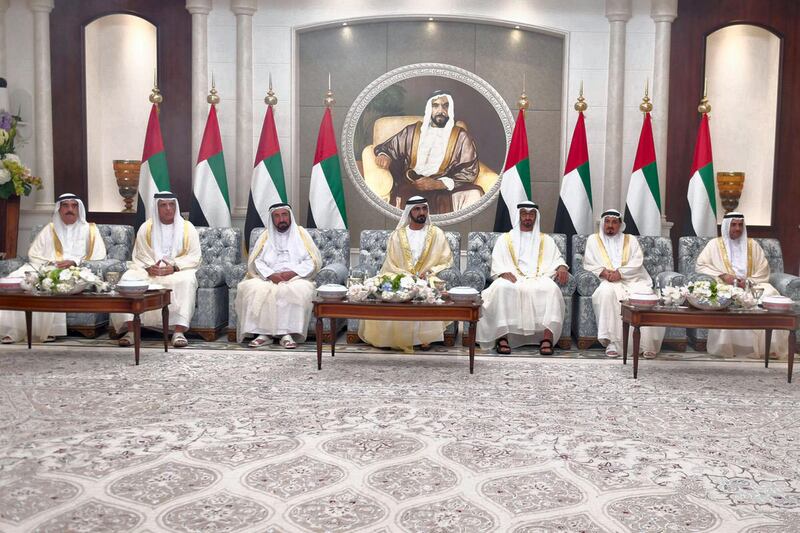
(223, 440)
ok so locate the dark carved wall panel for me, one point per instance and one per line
(173, 23)
(697, 19)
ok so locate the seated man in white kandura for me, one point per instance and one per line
(67, 241)
(166, 253)
(734, 259)
(524, 305)
(275, 299)
(617, 259)
(416, 247)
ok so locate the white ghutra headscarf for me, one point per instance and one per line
(613, 243)
(737, 248)
(287, 246)
(167, 239)
(72, 236)
(433, 140)
(411, 203)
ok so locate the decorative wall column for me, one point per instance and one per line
(3, 55)
(43, 100)
(618, 12)
(244, 10)
(199, 10)
(663, 12)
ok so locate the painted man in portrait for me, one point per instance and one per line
(433, 157)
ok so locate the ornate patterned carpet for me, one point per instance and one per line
(223, 440)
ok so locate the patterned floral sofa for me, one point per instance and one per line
(659, 264)
(479, 264)
(786, 284)
(370, 260)
(221, 249)
(119, 244)
(334, 246)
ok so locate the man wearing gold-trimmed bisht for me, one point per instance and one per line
(616, 258)
(415, 247)
(275, 299)
(166, 253)
(67, 241)
(524, 305)
(734, 259)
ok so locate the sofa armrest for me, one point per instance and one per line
(568, 289)
(472, 277)
(786, 285)
(7, 266)
(451, 277)
(210, 276)
(586, 282)
(696, 276)
(334, 273)
(669, 279)
(101, 267)
(234, 274)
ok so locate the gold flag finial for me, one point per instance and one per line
(523, 103)
(213, 97)
(270, 99)
(646, 106)
(704, 106)
(155, 95)
(580, 105)
(329, 99)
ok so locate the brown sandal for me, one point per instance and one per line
(546, 349)
(502, 347)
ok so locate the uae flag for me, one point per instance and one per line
(643, 204)
(574, 213)
(702, 194)
(267, 185)
(326, 207)
(515, 186)
(153, 174)
(211, 204)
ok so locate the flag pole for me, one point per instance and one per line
(213, 96)
(580, 103)
(155, 95)
(270, 99)
(329, 99)
(646, 106)
(523, 103)
(704, 108)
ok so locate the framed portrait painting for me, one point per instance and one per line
(432, 130)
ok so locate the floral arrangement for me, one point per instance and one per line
(712, 292)
(393, 288)
(15, 177)
(70, 280)
(673, 295)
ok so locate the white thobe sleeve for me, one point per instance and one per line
(707, 263)
(633, 267)
(448, 182)
(41, 250)
(760, 265)
(552, 259)
(305, 267)
(98, 251)
(591, 257)
(501, 259)
(262, 266)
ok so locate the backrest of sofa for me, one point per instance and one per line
(118, 239)
(220, 245)
(481, 243)
(690, 247)
(373, 248)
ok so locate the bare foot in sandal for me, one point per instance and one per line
(502, 347)
(259, 341)
(546, 347)
(288, 342)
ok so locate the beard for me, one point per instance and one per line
(419, 219)
(439, 120)
(282, 226)
(527, 225)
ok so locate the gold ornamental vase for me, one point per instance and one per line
(730, 185)
(127, 173)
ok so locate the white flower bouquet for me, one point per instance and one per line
(393, 288)
(673, 296)
(70, 280)
(711, 295)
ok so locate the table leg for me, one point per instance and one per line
(625, 329)
(137, 337)
(472, 329)
(165, 326)
(792, 349)
(319, 343)
(767, 341)
(332, 324)
(637, 334)
(29, 326)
